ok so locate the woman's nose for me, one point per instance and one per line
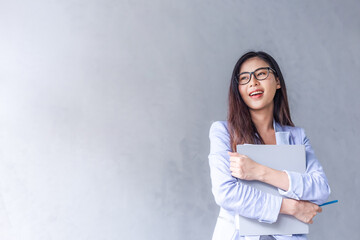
(253, 81)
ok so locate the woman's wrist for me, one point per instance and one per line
(288, 206)
(274, 177)
(263, 171)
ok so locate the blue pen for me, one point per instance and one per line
(327, 203)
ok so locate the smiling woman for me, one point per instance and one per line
(272, 103)
(258, 111)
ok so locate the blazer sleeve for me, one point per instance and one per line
(231, 194)
(312, 185)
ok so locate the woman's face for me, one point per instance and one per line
(266, 89)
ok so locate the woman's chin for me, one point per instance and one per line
(260, 107)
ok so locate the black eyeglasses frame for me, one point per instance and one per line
(253, 73)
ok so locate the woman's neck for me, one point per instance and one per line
(263, 119)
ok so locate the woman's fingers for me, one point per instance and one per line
(243, 167)
(306, 211)
(235, 154)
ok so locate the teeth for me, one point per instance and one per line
(257, 92)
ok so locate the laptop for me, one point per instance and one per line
(280, 157)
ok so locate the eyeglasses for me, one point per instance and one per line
(260, 74)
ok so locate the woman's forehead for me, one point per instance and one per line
(252, 64)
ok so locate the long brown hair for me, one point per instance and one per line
(240, 125)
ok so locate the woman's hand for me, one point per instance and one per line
(241, 166)
(305, 211)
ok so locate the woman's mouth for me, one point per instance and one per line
(256, 94)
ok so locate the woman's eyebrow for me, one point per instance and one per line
(254, 70)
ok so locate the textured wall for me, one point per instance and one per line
(105, 108)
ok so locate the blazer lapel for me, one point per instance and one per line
(282, 136)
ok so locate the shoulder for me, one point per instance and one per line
(219, 128)
(219, 124)
(219, 136)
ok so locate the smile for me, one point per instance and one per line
(256, 94)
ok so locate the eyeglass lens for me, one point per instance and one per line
(260, 74)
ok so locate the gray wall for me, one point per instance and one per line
(105, 108)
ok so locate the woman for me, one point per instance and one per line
(259, 114)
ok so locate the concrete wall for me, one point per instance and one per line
(105, 108)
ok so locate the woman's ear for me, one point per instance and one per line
(278, 83)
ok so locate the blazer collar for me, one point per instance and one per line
(282, 136)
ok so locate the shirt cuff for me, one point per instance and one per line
(295, 186)
(271, 209)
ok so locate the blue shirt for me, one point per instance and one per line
(236, 198)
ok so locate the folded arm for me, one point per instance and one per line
(311, 185)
